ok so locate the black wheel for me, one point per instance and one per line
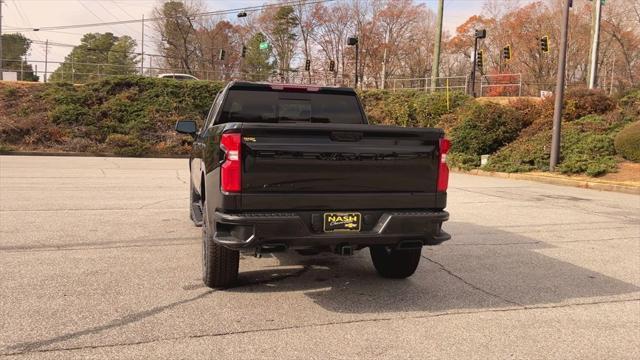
(219, 264)
(195, 213)
(396, 264)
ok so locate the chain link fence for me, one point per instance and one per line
(491, 85)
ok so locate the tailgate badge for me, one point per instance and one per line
(249, 139)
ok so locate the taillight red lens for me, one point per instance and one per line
(231, 169)
(443, 170)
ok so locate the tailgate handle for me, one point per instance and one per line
(346, 136)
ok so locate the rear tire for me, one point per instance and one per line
(219, 264)
(395, 264)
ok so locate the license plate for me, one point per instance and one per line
(342, 222)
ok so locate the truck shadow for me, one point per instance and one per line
(510, 270)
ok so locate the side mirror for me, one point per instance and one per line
(187, 127)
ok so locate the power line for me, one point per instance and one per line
(114, 16)
(90, 11)
(50, 43)
(208, 13)
(22, 16)
(121, 9)
(24, 19)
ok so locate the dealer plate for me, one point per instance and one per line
(342, 221)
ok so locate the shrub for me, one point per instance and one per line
(631, 99)
(582, 102)
(531, 110)
(484, 128)
(10, 93)
(125, 145)
(583, 150)
(586, 153)
(524, 154)
(80, 144)
(70, 114)
(65, 94)
(6, 148)
(409, 107)
(463, 161)
(629, 105)
(627, 142)
(430, 107)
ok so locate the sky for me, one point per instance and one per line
(44, 13)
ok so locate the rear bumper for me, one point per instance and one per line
(304, 229)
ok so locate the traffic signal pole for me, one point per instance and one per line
(593, 73)
(559, 94)
(475, 64)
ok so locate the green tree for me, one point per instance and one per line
(15, 47)
(257, 65)
(280, 25)
(98, 55)
(121, 57)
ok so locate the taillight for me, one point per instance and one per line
(443, 170)
(231, 169)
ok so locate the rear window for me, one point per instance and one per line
(288, 107)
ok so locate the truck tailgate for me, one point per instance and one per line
(338, 158)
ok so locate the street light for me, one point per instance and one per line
(353, 41)
(479, 34)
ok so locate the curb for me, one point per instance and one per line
(77, 154)
(553, 179)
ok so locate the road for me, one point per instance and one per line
(98, 259)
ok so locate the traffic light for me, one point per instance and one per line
(479, 61)
(332, 66)
(544, 44)
(243, 53)
(307, 65)
(221, 55)
(506, 53)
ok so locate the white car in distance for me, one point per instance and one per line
(177, 76)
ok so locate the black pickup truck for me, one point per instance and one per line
(279, 167)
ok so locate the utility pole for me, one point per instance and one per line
(142, 51)
(46, 58)
(73, 70)
(384, 59)
(557, 111)
(593, 73)
(435, 67)
(1, 40)
(357, 53)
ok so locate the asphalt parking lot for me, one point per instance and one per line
(98, 259)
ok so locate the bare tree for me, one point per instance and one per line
(178, 41)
